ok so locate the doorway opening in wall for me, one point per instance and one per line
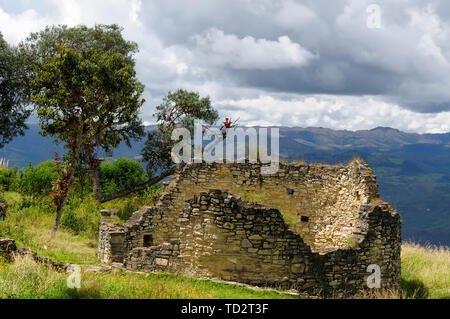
(148, 240)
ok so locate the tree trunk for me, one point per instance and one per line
(82, 178)
(58, 217)
(95, 172)
(140, 187)
(82, 186)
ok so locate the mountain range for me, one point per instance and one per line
(413, 170)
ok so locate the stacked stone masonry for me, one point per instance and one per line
(337, 226)
(9, 251)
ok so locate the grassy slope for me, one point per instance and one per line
(29, 227)
(26, 279)
(424, 273)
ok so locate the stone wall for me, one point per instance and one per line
(9, 251)
(7, 248)
(221, 236)
(337, 226)
(111, 246)
(329, 197)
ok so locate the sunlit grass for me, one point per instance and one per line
(26, 279)
(30, 227)
(426, 271)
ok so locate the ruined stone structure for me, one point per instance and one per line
(315, 228)
(9, 251)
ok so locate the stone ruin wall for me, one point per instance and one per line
(329, 196)
(346, 227)
(9, 252)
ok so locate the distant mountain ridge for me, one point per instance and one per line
(379, 138)
(413, 169)
(293, 141)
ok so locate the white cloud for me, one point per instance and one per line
(336, 112)
(219, 48)
(256, 61)
(294, 15)
(16, 27)
(122, 12)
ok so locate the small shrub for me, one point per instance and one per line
(81, 216)
(71, 221)
(26, 202)
(7, 178)
(127, 210)
(288, 219)
(42, 203)
(36, 181)
(120, 175)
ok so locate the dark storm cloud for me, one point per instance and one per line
(278, 62)
(405, 60)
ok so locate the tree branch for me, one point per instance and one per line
(140, 187)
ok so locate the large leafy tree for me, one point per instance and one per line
(86, 92)
(15, 66)
(179, 109)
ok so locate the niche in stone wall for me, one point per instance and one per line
(117, 246)
(304, 219)
(148, 240)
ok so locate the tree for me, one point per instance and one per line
(61, 187)
(121, 174)
(86, 92)
(15, 67)
(179, 109)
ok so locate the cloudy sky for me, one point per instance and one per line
(269, 62)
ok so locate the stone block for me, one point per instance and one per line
(161, 262)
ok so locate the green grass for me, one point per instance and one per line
(66, 246)
(424, 275)
(286, 211)
(425, 271)
(24, 279)
(252, 197)
(30, 227)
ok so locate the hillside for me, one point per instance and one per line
(413, 169)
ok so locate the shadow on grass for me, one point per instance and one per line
(414, 288)
(91, 292)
